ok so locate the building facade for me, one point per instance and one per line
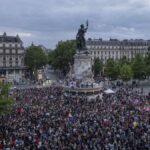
(12, 53)
(116, 49)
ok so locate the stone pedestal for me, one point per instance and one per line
(80, 78)
(82, 68)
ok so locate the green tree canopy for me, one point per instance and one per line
(35, 57)
(126, 72)
(50, 57)
(5, 100)
(139, 67)
(112, 69)
(63, 55)
(97, 66)
(147, 61)
(123, 61)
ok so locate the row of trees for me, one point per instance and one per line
(137, 68)
(62, 56)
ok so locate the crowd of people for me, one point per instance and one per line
(48, 119)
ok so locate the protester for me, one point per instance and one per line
(48, 119)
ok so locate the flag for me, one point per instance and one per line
(147, 108)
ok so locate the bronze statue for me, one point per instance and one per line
(80, 40)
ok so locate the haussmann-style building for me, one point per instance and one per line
(12, 53)
(116, 49)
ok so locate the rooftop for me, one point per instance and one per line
(116, 42)
(10, 39)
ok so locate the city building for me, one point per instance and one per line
(12, 53)
(116, 49)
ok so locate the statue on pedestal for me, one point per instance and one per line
(80, 40)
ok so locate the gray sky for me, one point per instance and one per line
(49, 21)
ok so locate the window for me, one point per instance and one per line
(7, 45)
(10, 71)
(20, 51)
(16, 63)
(7, 51)
(13, 51)
(4, 64)
(17, 71)
(13, 45)
(10, 64)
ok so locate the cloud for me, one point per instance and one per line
(23, 34)
(46, 22)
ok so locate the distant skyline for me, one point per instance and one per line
(48, 21)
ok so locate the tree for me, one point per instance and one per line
(97, 66)
(126, 72)
(139, 67)
(112, 69)
(50, 57)
(5, 100)
(35, 58)
(63, 55)
(147, 61)
(123, 61)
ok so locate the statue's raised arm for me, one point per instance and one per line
(80, 40)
